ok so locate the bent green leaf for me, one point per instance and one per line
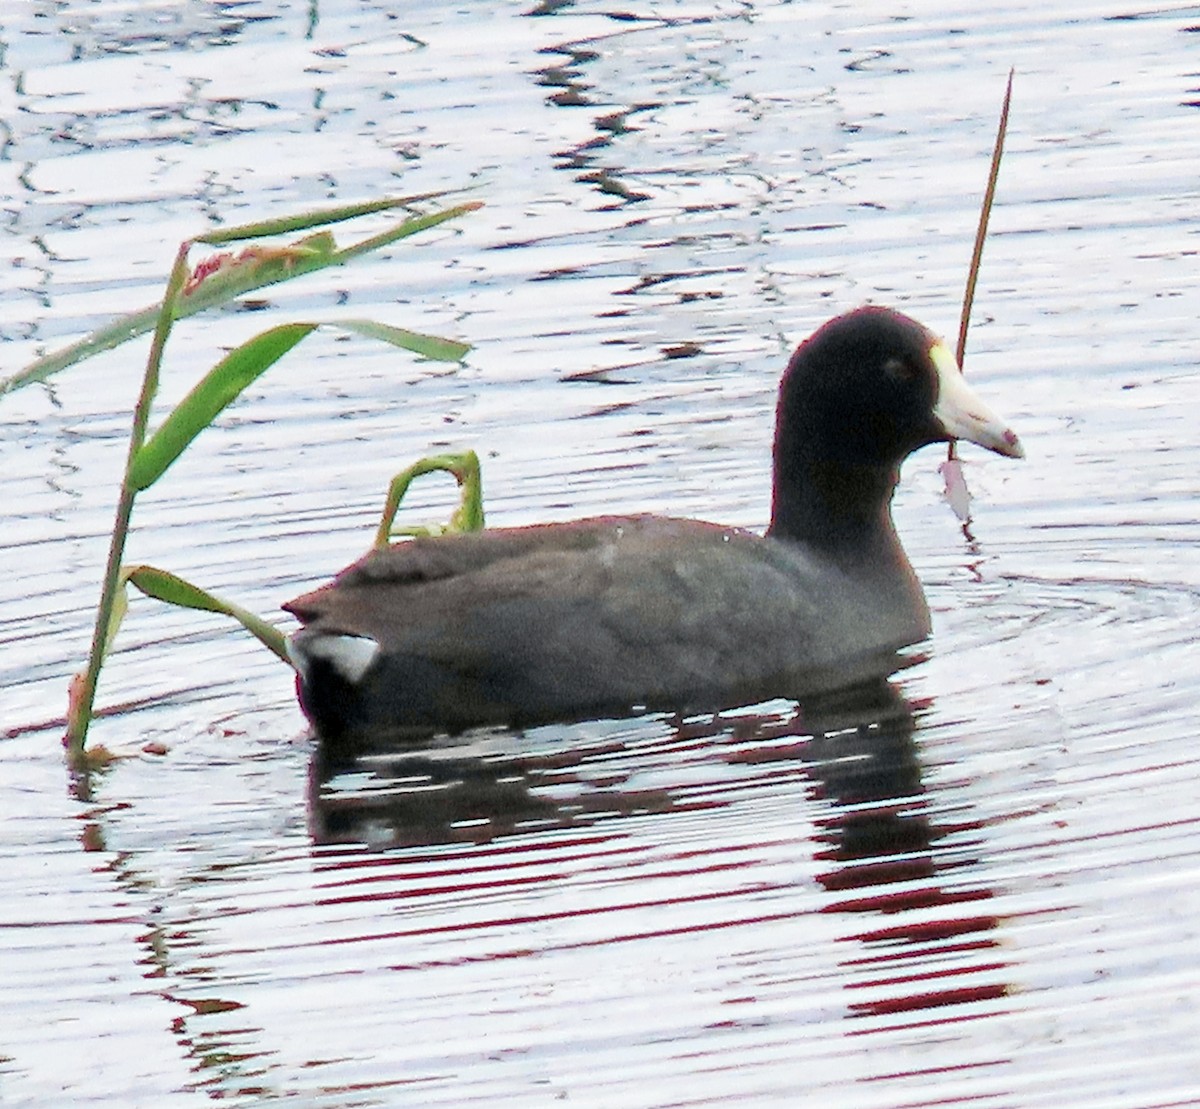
(219, 388)
(467, 517)
(225, 382)
(428, 346)
(174, 590)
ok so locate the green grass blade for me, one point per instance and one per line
(320, 217)
(235, 276)
(106, 338)
(172, 589)
(407, 228)
(215, 392)
(429, 346)
(222, 385)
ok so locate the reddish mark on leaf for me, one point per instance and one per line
(224, 261)
(207, 268)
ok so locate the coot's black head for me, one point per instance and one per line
(870, 387)
(860, 395)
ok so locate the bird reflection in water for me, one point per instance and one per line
(920, 939)
(936, 944)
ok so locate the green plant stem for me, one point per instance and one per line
(83, 694)
(409, 227)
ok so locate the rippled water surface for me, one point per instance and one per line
(980, 889)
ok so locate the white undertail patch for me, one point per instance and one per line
(350, 656)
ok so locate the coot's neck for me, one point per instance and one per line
(839, 508)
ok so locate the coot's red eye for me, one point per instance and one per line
(900, 370)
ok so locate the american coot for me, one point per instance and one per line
(620, 613)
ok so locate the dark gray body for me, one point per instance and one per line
(603, 616)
